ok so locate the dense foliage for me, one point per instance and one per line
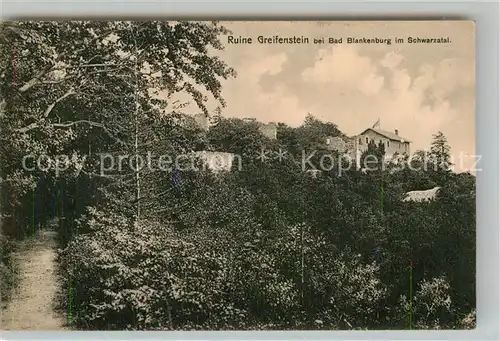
(269, 246)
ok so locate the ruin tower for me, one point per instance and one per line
(202, 121)
(269, 130)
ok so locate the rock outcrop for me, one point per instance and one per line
(421, 196)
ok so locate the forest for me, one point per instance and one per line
(264, 247)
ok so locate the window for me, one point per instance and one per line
(360, 141)
(387, 143)
(367, 140)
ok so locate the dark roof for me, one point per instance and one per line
(388, 134)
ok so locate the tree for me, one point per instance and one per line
(431, 305)
(269, 247)
(216, 117)
(373, 157)
(313, 132)
(237, 136)
(87, 85)
(440, 158)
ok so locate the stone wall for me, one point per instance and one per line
(202, 121)
(336, 143)
(269, 130)
(218, 161)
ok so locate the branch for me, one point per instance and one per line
(92, 174)
(33, 81)
(29, 84)
(81, 66)
(58, 81)
(27, 128)
(68, 93)
(70, 124)
(91, 123)
(64, 79)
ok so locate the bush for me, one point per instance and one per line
(122, 275)
(431, 305)
(468, 321)
(7, 270)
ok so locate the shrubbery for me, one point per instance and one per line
(146, 276)
(267, 247)
(273, 248)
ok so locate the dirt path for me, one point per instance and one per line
(32, 302)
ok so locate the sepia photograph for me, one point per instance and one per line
(237, 175)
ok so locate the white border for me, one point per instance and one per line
(486, 15)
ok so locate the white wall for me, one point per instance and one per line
(217, 161)
(390, 149)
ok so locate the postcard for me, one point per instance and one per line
(238, 175)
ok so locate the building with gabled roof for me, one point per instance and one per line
(393, 142)
(355, 145)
